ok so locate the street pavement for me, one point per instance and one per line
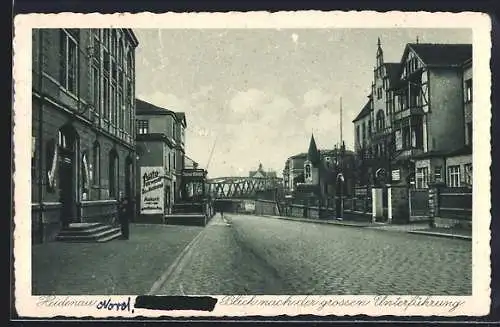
(113, 268)
(260, 255)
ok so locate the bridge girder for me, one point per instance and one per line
(239, 187)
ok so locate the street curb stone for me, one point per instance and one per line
(446, 235)
(338, 223)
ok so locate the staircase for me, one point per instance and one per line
(187, 213)
(88, 232)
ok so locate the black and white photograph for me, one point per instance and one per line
(336, 167)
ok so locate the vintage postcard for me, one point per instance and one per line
(235, 164)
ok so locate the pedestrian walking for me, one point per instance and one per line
(125, 217)
(221, 212)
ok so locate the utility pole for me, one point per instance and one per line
(341, 139)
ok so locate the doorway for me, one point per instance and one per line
(67, 141)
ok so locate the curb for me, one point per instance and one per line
(171, 268)
(436, 234)
(444, 235)
(325, 222)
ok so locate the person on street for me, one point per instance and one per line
(221, 212)
(125, 217)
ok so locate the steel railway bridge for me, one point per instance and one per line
(240, 187)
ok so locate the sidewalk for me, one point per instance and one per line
(415, 228)
(116, 267)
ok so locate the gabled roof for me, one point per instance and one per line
(299, 155)
(181, 117)
(393, 72)
(145, 108)
(313, 153)
(433, 54)
(365, 111)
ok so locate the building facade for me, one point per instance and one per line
(83, 133)
(159, 143)
(429, 120)
(409, 109)
(319, 170)
(373, 125)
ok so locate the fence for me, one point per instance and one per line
(455, 205)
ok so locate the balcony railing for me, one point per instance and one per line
(411, 111)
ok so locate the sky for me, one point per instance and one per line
(256, 95)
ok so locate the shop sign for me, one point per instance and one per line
(152, 190)
(396, 175)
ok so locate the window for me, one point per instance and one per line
(173, 159)
(96, 164)
(364, 133)
(454, 176)
(379, 93)
(468, 174)
(422, 177)
(328, 162)
(69, 61)
(113, 104)
(95, 88)
(106, 98)
(468, 90)
(51, 165)
(85, 177)
(380, 121)
(369, 128)
(357, 135)
(438, 174)
(142, 126)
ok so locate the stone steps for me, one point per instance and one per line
(89, 232)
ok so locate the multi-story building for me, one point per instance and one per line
(160, 143)
(428, 120)
(452, 167)
(373, 125)
(83, 113)
(405, 126)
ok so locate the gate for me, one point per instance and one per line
(419, 204)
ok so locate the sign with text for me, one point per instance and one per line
(193, 173)
(396, 175)
(152, 190)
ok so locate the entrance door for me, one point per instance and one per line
(66, 190)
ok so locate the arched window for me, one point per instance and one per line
(51, 165)
(130, 64)
(85, 177)
(380, 120)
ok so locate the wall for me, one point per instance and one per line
(445, 119)
(399, 201)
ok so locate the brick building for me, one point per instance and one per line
(83, 113)
(160, 143)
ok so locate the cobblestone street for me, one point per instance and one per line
(259, 255)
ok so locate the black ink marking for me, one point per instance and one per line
(117, 306)
(197, 303)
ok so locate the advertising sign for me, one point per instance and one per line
(152, 190)
(396, 175)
